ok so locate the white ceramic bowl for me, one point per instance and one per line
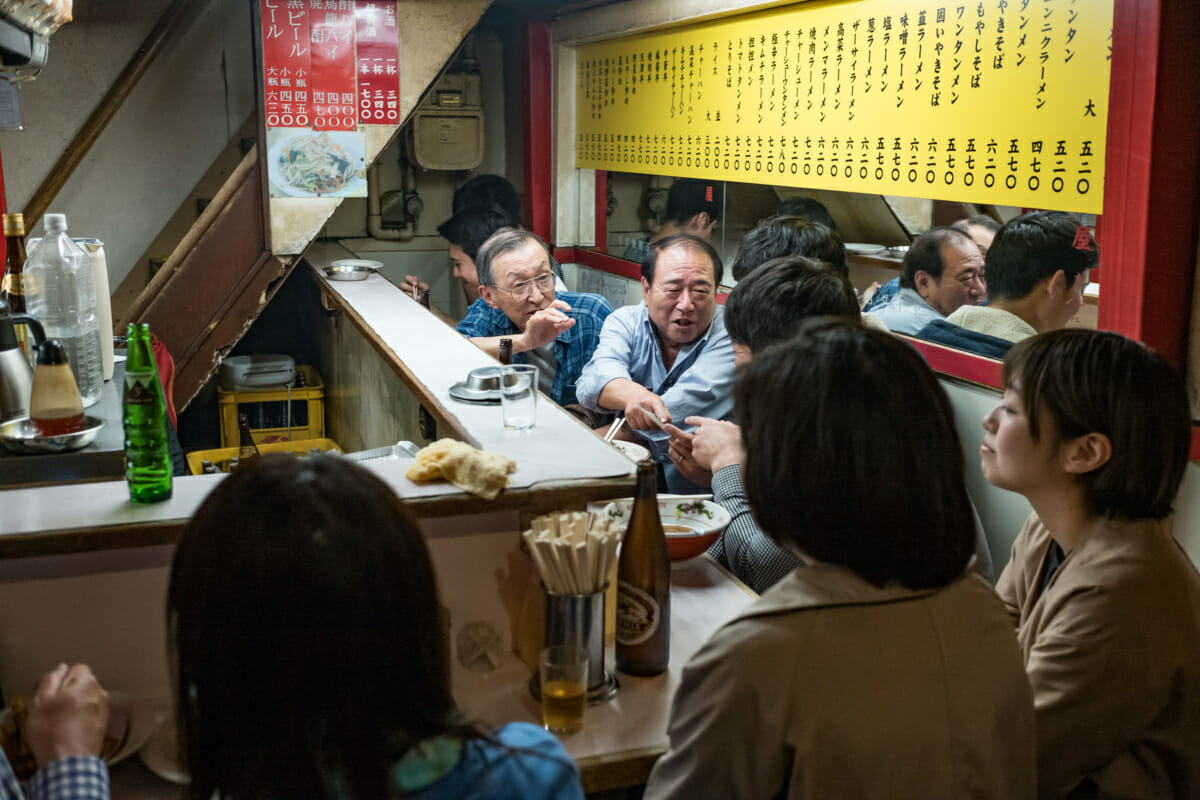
(703, 521)
(634, 452)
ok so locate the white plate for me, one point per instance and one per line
(351, 144)
(161, 754)
(702, 516)
(864, 248)
(634, 452)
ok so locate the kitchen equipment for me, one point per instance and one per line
(240, 373)
(352, 269)
(16, 376)
(20, 435)
(481, 386)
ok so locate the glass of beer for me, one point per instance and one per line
(564, 677)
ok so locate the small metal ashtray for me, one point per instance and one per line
(481, 386)
(351, 269)
(20, 435)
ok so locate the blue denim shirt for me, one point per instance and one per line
(907, 312)
(572, 348)
(700, 382)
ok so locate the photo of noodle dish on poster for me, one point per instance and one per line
(302, 162)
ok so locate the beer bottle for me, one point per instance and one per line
(246, 447)
(12, 291)
(144, 413)
(644, 584)
(506, 351)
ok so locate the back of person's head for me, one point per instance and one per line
(776, 237)
(688, 197)
(830, 472)
(976, 220)
(1074, 382)
(307, 642)
(1031, 248)
(485, 190)
(650, 260)
(806, 207)
(772, 302)
(471, 226)
(503, 241)
(925, 255)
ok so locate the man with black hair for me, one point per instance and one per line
(668, 356)
(781, 236)
(1037, 268)
(481, 206)
(808, 208)
(770, 306)
(694, 207)
(942, 270)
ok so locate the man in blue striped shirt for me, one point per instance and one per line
(557, 332)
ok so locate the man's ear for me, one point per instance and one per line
(645, 286)
(923, 282)
(488, 294)
(1086, 453)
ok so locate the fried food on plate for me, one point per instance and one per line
(478, 472)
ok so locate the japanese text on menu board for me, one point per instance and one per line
(330, 64)
(1003, 101)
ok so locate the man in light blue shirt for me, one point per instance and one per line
(669, 355)
(942, 270)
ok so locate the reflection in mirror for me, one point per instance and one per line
(948, 280)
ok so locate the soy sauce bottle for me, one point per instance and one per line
(644, 584)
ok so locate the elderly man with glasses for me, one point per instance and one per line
(555, 332)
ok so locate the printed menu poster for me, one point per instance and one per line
(329, 66)
(993, 101)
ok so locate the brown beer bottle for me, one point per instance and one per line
(644, 584)
(506, 351)
(12, 291)
(246, 446)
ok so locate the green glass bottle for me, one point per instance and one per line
(147, 457)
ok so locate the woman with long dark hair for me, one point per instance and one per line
(1094, 431)
(310, 658)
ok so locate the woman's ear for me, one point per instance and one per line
(1086, 453)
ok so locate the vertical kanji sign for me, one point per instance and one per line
(333, 86)
(286, 65)
(378, 62)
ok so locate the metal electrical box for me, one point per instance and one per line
(447, 128)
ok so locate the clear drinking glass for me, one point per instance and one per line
(564, 677)
(518, 396)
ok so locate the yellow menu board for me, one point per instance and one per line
(1003, 101)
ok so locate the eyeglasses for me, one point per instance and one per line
(523, 290)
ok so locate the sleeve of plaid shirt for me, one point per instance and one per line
(75, 778)
(742, 547)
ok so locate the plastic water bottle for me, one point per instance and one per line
(144, 415)
(60, 292)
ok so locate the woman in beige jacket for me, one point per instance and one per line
(884, 668)
(1094, 430)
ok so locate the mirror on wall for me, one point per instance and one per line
(876, 229)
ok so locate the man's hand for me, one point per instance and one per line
(68, 715)
(545, 326)
(715, 444)
(412, 285)
(680, 449)
(637, 406)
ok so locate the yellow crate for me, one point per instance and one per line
(262, 405)
(221, 456)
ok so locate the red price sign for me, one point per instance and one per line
(333, 86)
(286, 64)
(378, 62)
